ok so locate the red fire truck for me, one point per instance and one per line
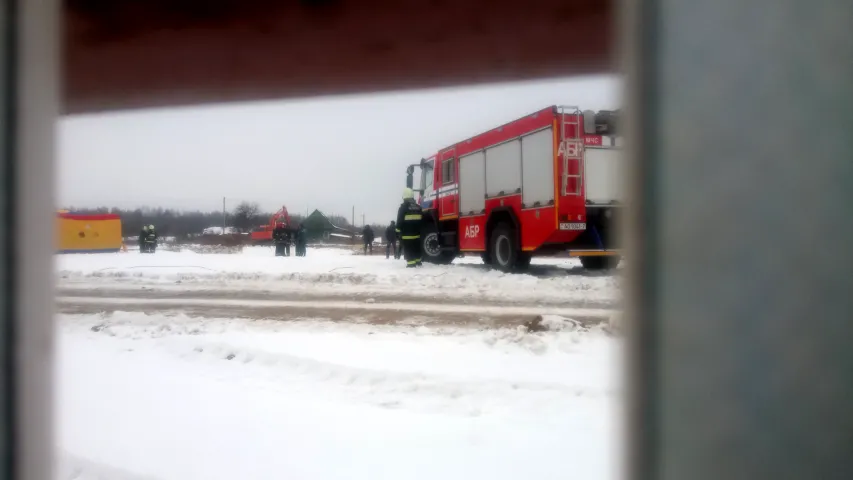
(545, 183)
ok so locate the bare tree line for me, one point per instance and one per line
(183, 223)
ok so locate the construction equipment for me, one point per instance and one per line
(263, 234)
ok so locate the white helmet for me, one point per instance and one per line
(408, 194)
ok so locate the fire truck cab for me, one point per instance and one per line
(545, 183)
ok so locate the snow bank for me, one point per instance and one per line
(338, 271)
(181, 398)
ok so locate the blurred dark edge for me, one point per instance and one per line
(741, 285)
(121, 54)
(30, 101)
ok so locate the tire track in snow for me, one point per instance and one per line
(339, 310)
(314, 294)
(419, 391)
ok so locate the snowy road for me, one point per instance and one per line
(175, 397)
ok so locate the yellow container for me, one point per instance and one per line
(77, 233)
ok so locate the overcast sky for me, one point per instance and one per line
(330, 153)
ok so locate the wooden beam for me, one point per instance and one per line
(121, 54)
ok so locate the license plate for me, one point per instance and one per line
(572, 226)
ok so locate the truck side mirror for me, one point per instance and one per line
(589, 122)
(410, 181)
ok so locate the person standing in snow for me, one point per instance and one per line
(300, 241)
(150, 242)
(288, 240)
(367, 236)
(279, 238)
(409, 218)
(142, 234)
(391, 240)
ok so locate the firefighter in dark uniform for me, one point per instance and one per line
(142, 234)
(409, 225)
(150, 239)
(280, 238)
(288, 240)
(391, 240)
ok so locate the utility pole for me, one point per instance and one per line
(362, 220)
(223, 215)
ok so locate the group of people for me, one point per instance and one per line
(147, 239)
(284, 237)
(405, 231)
(392, 239)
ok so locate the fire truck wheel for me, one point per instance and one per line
(599, 263)
(503, 248)
(431, 247)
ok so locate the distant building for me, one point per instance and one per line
(320, 229)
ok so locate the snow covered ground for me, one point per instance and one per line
(181, 365)
(174, 397)
(338, 272)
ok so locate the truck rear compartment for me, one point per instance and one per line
(604, 176)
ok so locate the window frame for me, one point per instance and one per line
(451, 170)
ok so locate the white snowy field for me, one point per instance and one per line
(173, 397)
(337, 272)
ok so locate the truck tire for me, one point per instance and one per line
(431, 246)
(503, 248)
(600, 263)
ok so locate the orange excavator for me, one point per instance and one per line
(263, 234)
